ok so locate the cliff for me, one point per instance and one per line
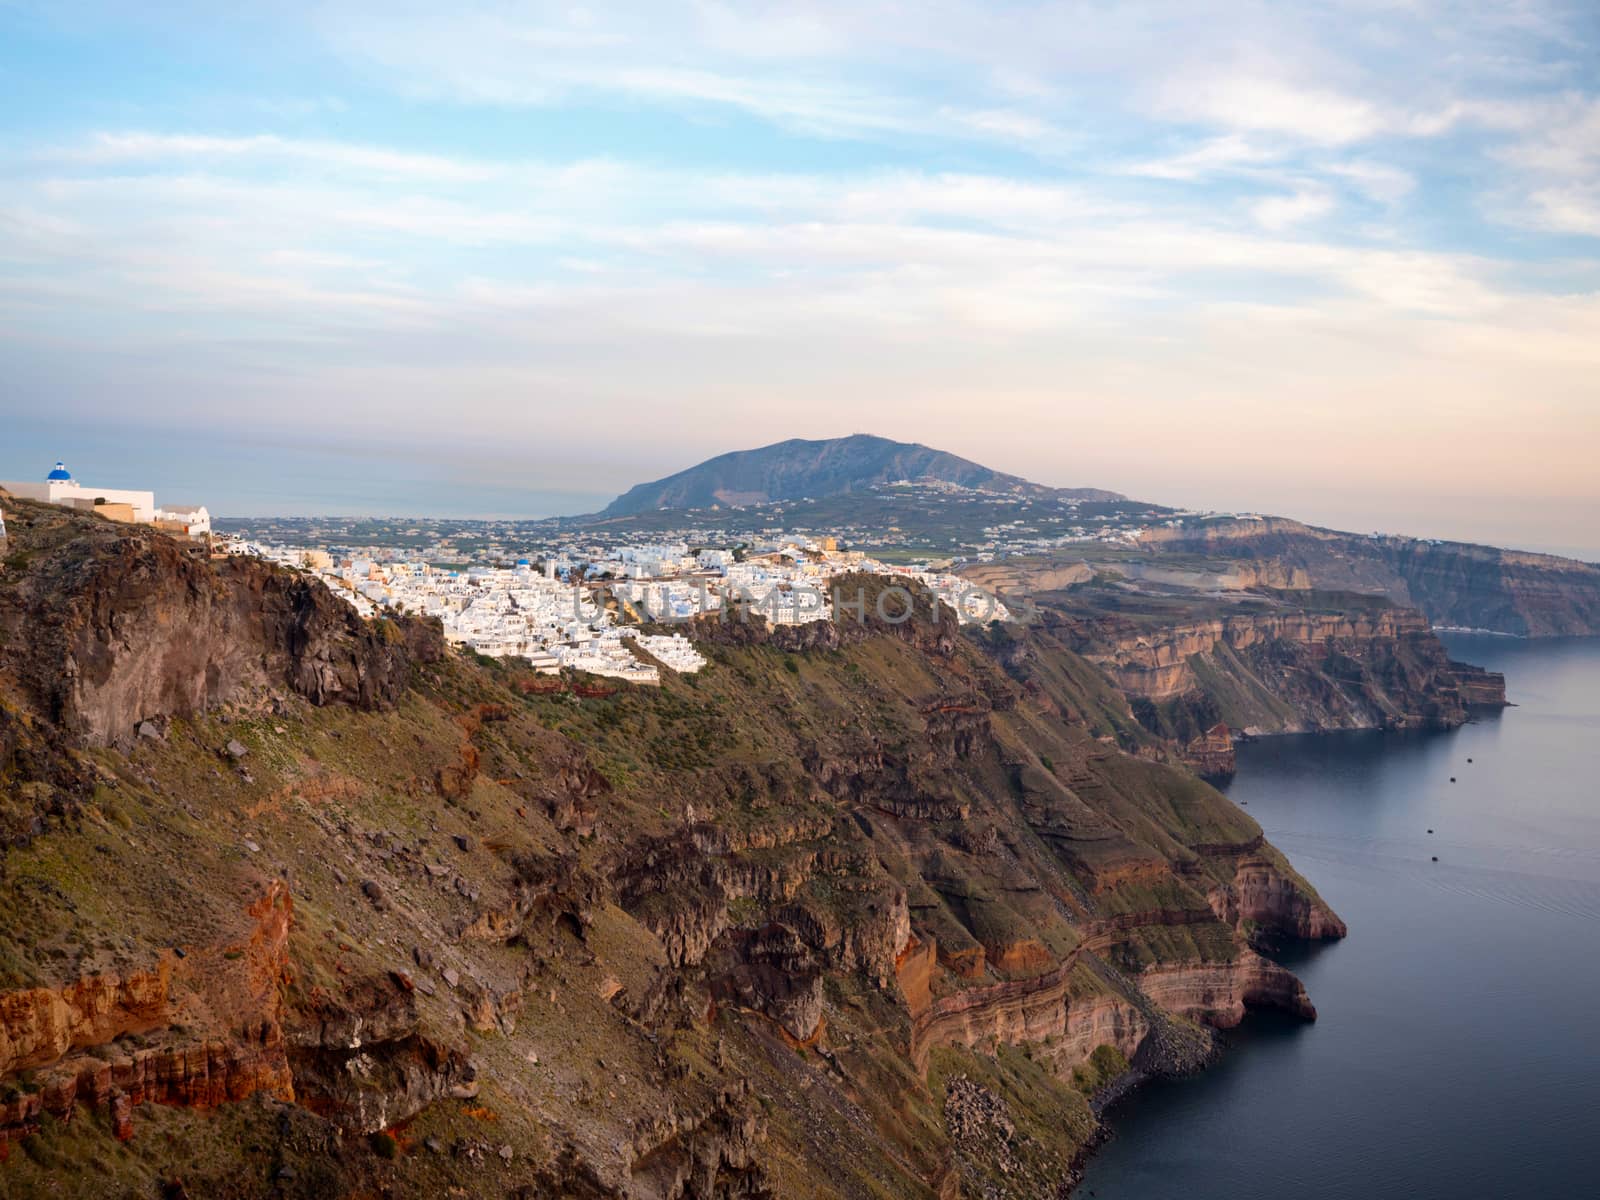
(1363, 665)
(1201, 650)
(346, 915)
(1454, 584)
(126, 624)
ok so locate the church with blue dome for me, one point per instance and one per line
(115, 504)
(59, 487)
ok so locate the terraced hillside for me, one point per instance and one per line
(300, 905)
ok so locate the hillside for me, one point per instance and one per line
(797, 468)
(304, 906)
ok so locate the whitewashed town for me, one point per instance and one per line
(586, 614)
(584, 608)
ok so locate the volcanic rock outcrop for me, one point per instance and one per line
(127, 625)
(57, 1037)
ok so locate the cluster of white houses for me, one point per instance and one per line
(585, 615)
(500, 612)
(116, 504)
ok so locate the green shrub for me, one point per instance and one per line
(1103, 1065)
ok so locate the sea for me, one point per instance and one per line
(1457, 1048)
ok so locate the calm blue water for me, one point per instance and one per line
(1457, 1052)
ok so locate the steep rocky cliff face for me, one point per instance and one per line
(1202, 647)
(1480, 587)
(1454, 584)
(106, 629)
(872, 910)
(122, 625)
(1364, 665)
(198, 1027)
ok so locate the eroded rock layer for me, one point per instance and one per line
(1455, 584)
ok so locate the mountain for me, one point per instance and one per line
(799, 468)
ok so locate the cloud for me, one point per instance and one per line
(1267, 105)
(1376, 181)
(1552, 181)
(1574, 209)
(1561, 136)
(1220, 154)
(137, 147)
(592, 248)
(1280, 212)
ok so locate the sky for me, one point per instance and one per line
(1338, 260)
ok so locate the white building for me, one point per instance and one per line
(59, 487)
(193, 517)
(674, 650)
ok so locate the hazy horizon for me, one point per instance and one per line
(282, 479)
(1339, 262)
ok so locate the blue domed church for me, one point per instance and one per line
(59, 487)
